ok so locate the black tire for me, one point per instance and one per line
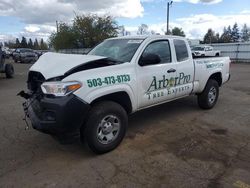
(208, 98)
(98, 113)
(217, 55)
(9, 70)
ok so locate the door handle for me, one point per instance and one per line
(171, 70)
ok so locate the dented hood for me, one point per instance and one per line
(51, 65)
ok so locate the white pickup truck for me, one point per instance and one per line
(205, 51)
(91, 95)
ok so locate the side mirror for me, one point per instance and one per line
(149, 59)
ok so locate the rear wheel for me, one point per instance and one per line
(9, 71)
(208, 98)
(105, 127)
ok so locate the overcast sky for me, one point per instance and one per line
(36, 18)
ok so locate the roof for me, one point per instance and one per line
(148, 37)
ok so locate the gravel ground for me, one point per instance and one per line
(173, 145)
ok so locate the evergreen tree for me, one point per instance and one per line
(245, 33)
(226, 36)
(24, 43)
(36, 45)
(30, 44)
(235, 33)
(17, 45)
(43, 45)
(217, 36)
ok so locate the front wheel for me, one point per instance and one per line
(105, 127)
(208, 98)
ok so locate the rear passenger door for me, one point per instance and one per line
(184, 68)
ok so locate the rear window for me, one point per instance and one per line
(181, 50)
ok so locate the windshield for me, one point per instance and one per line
(25, 50)
(198, 48)
(117, 49)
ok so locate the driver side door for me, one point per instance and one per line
(156, 82)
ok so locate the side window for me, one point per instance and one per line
(160, 48)
(181, 50)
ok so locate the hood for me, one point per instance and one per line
(52, 65)
(197, 51)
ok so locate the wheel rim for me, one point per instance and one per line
(212, 95)
(108, 129)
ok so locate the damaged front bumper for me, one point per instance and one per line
(59, 116)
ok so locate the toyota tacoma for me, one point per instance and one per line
(91, 95)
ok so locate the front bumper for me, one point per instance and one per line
(62, 116)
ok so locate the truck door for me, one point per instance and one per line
(184, 68)
(209, 51)
(156, 82)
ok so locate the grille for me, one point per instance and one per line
(35, 80)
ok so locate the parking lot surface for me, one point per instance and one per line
(173, 145)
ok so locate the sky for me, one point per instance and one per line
(37, 18)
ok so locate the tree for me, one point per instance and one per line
(86, 31)
(92, 29)
(24, 43)
(210, 37)
(121, 30)
(217, 37)
(30, 44)
(43, 45)
(245, 33)
(226, 36)
(152, 32)
(36, 45)
(142, 30)
(178, 32)
(17, 45)
(235, 33)
(64, 38)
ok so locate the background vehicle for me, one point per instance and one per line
(205, 51)
(24, 55)
(40, 52)
(92, 94)
(6, 51)
(8, 69)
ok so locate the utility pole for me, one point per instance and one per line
(56, 26)
(169, 4)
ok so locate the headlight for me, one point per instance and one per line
(60, 89)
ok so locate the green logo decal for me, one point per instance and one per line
(167, 83)
(214, 65)
(156, 87)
